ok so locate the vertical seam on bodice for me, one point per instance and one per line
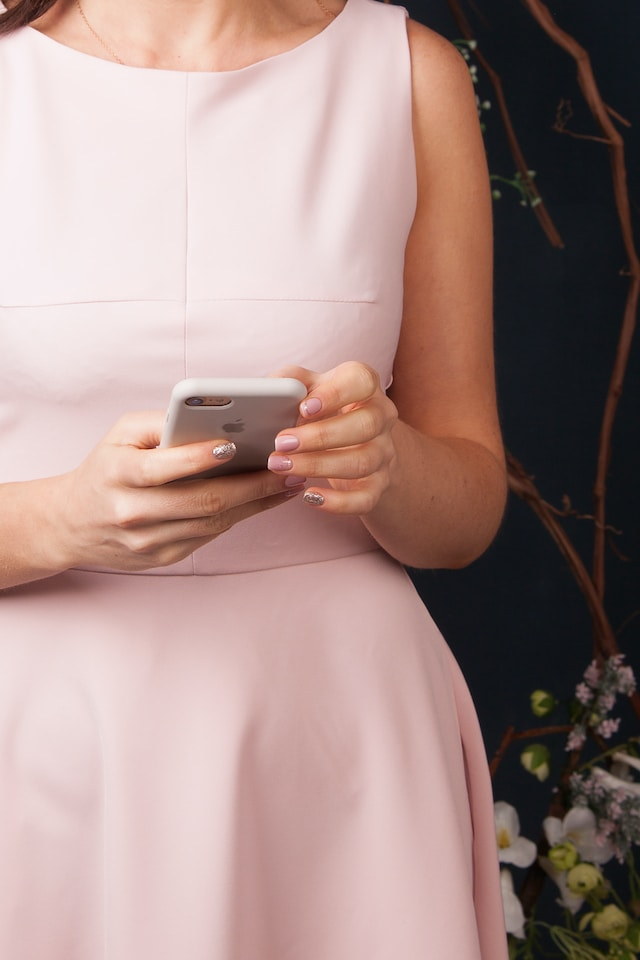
(186, 249)
(185, 290)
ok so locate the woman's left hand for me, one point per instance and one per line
(344, 436)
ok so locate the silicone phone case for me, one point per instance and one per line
(257, 409)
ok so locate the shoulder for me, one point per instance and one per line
(445, 114)
(434, 55)
(440, 76)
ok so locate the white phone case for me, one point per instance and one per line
(250, 411)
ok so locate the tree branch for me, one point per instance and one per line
(602, 115)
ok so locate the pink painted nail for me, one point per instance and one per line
(295, 481)
(311, 406)
(279, 463)
(287, 443)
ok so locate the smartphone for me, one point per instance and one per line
(249, 410)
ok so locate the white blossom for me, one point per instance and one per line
(580, 828)
(513, 912)
(512, 848)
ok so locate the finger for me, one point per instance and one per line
(350, 463)
(347, 384)
(159, 538)
(141, 429)
(155, 467)
(161, 544)
(357, 426)
(356, 499)
(195, 499)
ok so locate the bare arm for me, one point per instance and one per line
(446, 495)
(425, 469)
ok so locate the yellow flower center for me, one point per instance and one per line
(504, 840)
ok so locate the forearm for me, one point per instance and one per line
(27, 551)
(444, 503)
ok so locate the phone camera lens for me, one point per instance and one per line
(195, 401)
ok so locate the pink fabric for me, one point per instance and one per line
(275, 758)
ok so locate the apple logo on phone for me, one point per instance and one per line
(234, 426)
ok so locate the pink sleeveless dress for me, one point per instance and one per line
(266, 751)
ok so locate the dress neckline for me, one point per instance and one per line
(322, 36)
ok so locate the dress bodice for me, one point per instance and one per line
(158, 224)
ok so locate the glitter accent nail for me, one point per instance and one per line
(314, 498)
(224, 450)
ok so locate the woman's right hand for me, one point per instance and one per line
(119, 508)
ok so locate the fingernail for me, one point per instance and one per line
(311, 406)
(286, 443)
(279, 463)
(314, 498)
(295, 481)
(224, 450)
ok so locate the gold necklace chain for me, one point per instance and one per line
(326, 11)
(103, 43)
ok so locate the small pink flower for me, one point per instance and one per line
(592, 674)
(584, 694)
(576, 739)
(608, 727)
(606, 828)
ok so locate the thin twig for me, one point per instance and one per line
(580, 136)
(617, 116)
(533, 194)
(524, 487)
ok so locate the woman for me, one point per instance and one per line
(229, 727)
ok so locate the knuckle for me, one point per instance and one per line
(139, 545)
(371, 423)
(211, 502)
(367, 460)
(390, 412)
(125, 514)
(218, 524)
(144, 472)
(322, 439)
(364, 376)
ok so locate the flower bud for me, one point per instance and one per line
(584, 878)
(536, 759)
(542, 703)
(564, 856)
(611, 923)
(632, 936)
